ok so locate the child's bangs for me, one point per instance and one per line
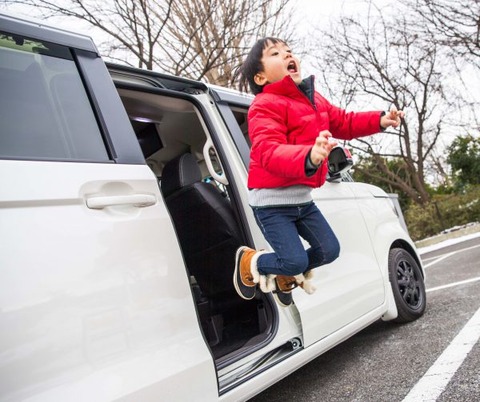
(272, 41)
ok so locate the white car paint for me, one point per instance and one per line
(95, 300)
(92, 304)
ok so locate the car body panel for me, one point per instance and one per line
(283, 369)
(96, 301)
(352, 285)
(92, 303)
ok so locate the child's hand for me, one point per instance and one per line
(322, 147)
(392, 118)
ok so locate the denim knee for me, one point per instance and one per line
(331, 253)
(295, 265)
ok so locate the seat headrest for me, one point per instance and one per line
(180, 172)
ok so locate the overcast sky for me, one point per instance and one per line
(320, 11)
(311, 11)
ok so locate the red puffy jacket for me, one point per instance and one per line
(283, 124)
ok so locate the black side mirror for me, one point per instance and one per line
(339, 161)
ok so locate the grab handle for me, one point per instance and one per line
(206, 154)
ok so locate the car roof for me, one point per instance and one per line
(151, 78)
(39, 30)
(131, 75)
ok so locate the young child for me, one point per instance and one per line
(290, 127)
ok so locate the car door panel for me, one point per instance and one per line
(352, 285)
(93, 294)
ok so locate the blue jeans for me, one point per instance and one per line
(282, 227)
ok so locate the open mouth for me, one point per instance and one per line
(292, 67)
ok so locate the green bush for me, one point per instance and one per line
(444, 211)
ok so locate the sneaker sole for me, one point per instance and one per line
(251, 289)
(279, 300)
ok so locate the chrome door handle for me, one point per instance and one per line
(136, 200)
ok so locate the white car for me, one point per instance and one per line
(123, 199)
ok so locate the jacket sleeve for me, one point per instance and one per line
(349, 125)
(269, 137)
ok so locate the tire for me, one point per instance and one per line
(407, 284)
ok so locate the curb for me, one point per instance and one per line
(453, 233)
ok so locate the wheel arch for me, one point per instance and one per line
(400, 243)
(392, 312)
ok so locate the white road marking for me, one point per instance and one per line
(432, 384)
(451, 285)
(436, 379)
(444, 256)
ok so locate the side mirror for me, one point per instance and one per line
(339, 161)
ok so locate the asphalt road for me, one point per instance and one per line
(385, 361)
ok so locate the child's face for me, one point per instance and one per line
(278, 62)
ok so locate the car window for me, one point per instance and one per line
(45, 112)
(241, 115)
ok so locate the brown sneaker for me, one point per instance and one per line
(286, 283)
(243, 279)
(285, 299)
(283, 293)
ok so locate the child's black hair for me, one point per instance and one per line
(253, 64)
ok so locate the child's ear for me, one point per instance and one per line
(260, 79)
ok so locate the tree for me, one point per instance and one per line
(464, 158)
(454, 24)
(367, 169)
(198, 39)
(212, 37)
(379, 60)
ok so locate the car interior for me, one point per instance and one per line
(172, 136)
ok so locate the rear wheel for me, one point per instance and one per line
(407, 284)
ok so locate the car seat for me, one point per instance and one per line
(205, 223)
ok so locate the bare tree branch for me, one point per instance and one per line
(454, 23)
(199, 39)
(380, 58)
